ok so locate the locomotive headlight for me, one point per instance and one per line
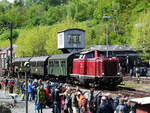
(118, 73)
(102, 73)
(27, 64)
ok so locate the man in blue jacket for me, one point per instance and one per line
(29, 90)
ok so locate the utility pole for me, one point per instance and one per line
(26, 91)
(106, 18)
(10, 26)
(107, 39)
(27, 71)
(11, 48)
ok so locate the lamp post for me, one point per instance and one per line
(10, 26)
(106, 18)
(27, 70)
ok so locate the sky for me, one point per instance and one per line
(9, 0)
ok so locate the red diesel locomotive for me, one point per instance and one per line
(92, 67)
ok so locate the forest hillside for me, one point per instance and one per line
(36, 23)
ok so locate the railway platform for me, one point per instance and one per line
(19, 107)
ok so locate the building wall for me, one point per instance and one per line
(68, 39)
(60, 44)
(4, 54)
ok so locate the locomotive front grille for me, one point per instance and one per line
(109, 68)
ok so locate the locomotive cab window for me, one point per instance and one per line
(81, 56)
(90, 55)
(101, 54)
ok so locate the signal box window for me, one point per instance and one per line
(74, 38)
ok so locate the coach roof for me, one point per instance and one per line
(39, 58)
(23, 59)
(60, 56)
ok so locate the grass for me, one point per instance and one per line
(135, 85)
(131, 84)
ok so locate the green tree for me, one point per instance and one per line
(14, 16)
(52, 15)
(34, 15)
(4, 43)
(32, 42)
(141, 34)
(19, 3)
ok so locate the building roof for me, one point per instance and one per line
(111, 48)
(142, 101)
(60, 56)
(39, 58)
(72, 29)
(4, 50)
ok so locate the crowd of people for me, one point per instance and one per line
(6, 83)
(62, 98)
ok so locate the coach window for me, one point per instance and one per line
(62, 63)
(42, 64)
(51, 63)
(38, 64)
(56, 63)
(33, 64)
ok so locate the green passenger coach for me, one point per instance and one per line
(61, 65)
(38, 65)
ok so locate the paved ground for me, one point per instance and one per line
(20, 106)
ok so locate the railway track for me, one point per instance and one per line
(131, 92)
